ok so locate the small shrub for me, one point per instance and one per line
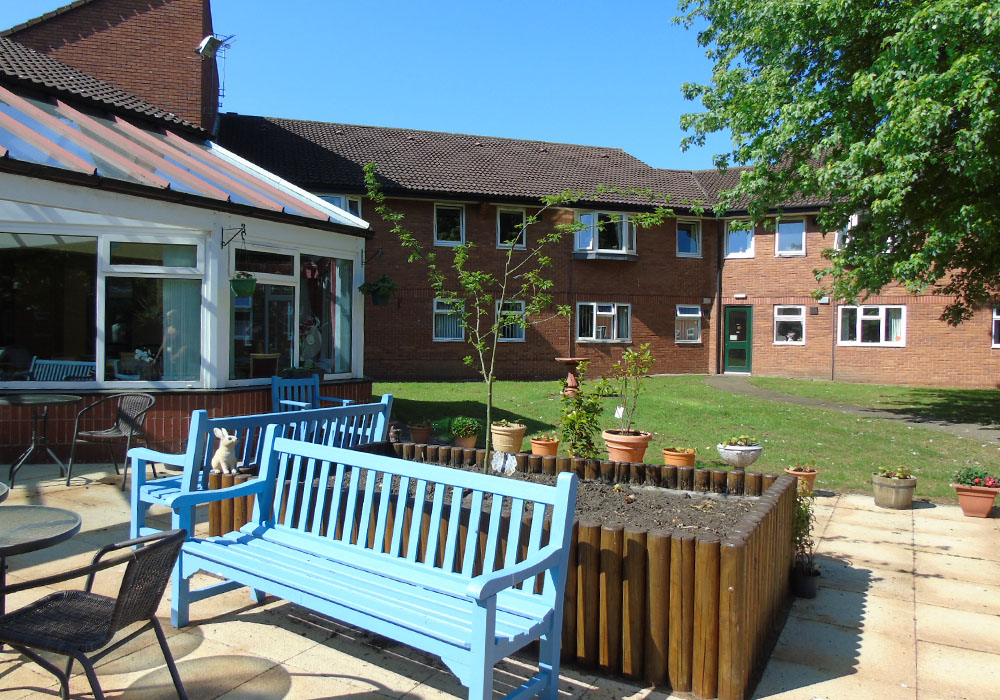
(802, 523)
(741, 441)
(895, 472)
(976, 476)
(580, 417)
(463, 426)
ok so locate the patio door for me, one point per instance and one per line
(738, 347)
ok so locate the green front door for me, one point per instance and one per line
(739, 339)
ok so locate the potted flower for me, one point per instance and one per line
(894, 487)
(805, 573)
(380, 290)
(740, 451)
(465, 431)
(243, 284)
(580, 413)
(507, 436)
(420, 430)
(976, 491)
(805, 473)
(625, 444)
(678, 456)
(545, 445)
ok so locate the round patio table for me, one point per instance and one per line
(39, 426)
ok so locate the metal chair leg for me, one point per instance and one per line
(88, 667)
(171, 666)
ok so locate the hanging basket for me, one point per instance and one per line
(381, 298)
(243, 286)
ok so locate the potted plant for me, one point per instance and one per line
(507, 436)
(805, 573)
(243, 284)
(894, 487)
(740, 451)
(805, 473)
(976, 491)
(465, 431)
(545, 445)
(678, 456)
(420, 430)
(625, 444)
(579, 421)
(380, 290)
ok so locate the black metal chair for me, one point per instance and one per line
(129, 419)
(75, 623)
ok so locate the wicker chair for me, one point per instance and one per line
(75, 623)
(129, 419)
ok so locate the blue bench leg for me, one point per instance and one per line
(548, 660)
(257, 595)
(179, 599)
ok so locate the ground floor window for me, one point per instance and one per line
(687, 324)
(789, 325)
(607, 322)
(872, 325)
(512, 321)
(447, 322)
(996, 326)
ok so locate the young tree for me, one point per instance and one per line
(887, 111)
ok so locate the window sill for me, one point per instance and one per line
(689, 255)
(688, 342)
(595, 341)
(870, 345)
(449, 340)
(733, 256)
(510, 340)
(790, 255)
(604, 255)
(781, 343)
(449, 244)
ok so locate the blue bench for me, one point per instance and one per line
(60, 370)
(329, 533)
(339, 426)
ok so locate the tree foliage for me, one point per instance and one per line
(889, 111)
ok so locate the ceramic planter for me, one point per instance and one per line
(508, 438)
(623, 447)
(805, 479)
(976, 501)
(243, 286)
(544, 447)
(420, 434)
(466, 441)
(739, 456)
(893, 493)
(678, 458)
(805, 582)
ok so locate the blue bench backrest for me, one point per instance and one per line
(340, 426)
(60, 370)
(365, 507)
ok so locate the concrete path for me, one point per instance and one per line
(738, 384)
(909, 607)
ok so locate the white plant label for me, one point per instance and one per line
(619, 412)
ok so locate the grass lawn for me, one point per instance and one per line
(684, 411)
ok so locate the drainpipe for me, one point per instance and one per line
(833, 341)
(720, 316)
(570, 341)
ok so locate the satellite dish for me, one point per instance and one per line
(211, 44)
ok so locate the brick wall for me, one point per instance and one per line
(145, 47)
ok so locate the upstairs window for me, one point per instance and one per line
(510, 228)
(996, 326)
(687, 324)
(604, 322)
(449, 224)
(789, 325)
(605, 232)
(790, 238)
(872, 325)
(739, 241)
(511, 321)
(447, 323)
(342, 201)
(688, 239)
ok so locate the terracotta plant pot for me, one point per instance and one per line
(805, 582)
(468, 441)
(739, 456)
(678, 457)
(976, 501)
(624, 447)
(806, 479)
(544, 446)
(420, 434)
(893, 493)
(508, 438)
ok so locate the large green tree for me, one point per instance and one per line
(889, 110)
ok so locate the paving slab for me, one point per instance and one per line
(953, 672)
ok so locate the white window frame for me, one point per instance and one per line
(345, 200)
(840, 240)
(594, 247)
(448, 309)
(996, 327)
(881, 315)
(517, 328)
(696, 229)
(524, 233)
(778, 253)
(748, 253)
(594, 307)
(461, 224)
(800, 316)
(686, 312)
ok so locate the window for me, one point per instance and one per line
(605, 232)
(996, 326)
(604, 322)
(789, 325)
(449, 224)
(510, 228)
(342, 201)
(790, 238)
(687, 324)
(688, 239)
(447, 322)
(739, 241)
(512, 327)
(872, 325)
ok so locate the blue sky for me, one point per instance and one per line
(586, 72)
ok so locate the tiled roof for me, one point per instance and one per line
(47, 15)
(713, 181)
(328, 156)
(26, 65)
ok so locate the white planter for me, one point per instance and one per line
(739, 456)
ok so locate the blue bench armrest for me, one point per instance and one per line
(486, 585)
(149, 455)
(196, 498)
(299, 404)
(345, 402)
